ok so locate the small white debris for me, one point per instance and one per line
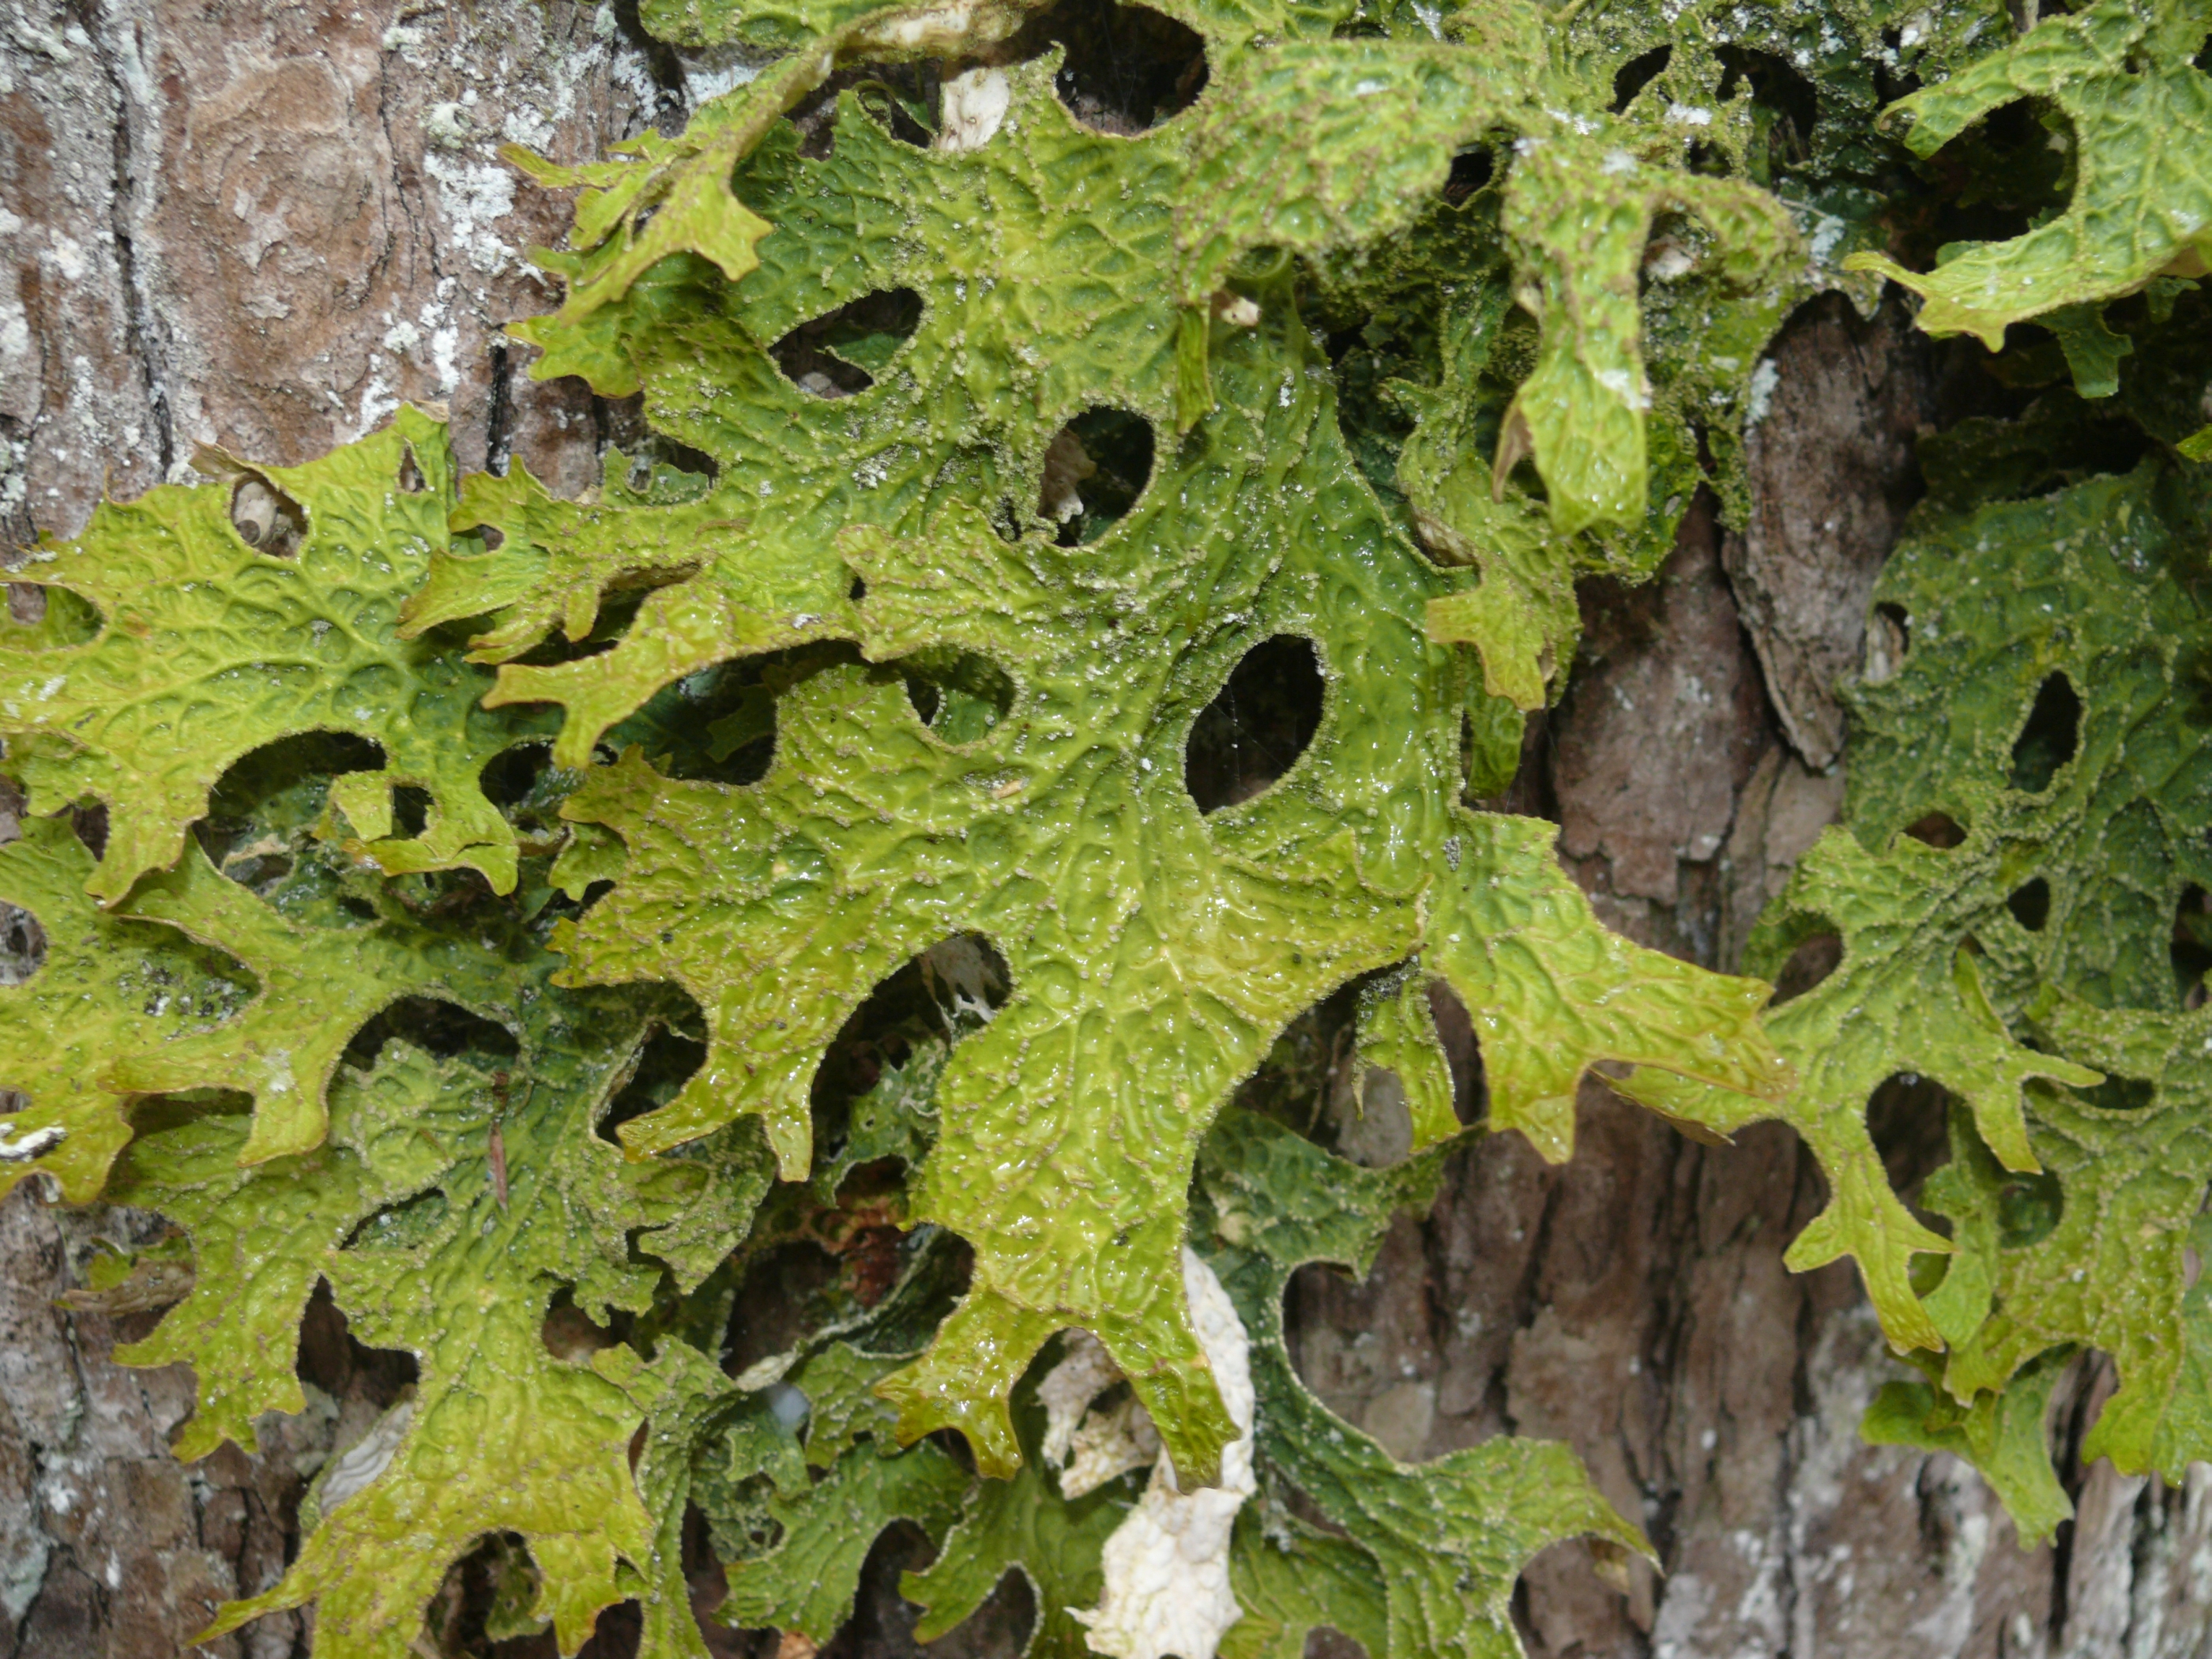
(968, 983)
(1235, 309)
(1067, 465)
(1689, 115)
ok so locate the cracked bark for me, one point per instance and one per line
(257, 225)
(142, 330)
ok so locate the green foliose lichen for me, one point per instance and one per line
(535, 919)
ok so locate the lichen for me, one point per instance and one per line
(535, 918)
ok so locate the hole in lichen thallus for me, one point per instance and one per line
(90, 825)
(959, 695)
(1258, 725)
(840, 352)
(898, 97)
(1637, 73)
(528, 789)
(1463, 1053)
(1471, 169)
(2191, 948)
(410, 810)
(1332, 1321)
(2047, 742)
(2030, 904)
(1888, 641)
(22, 946)
(263, 810)
(1314, 1054)
(1937, 830)
(1907, 1119)
(508, 777)
(1889, 84)
(618, 609)
(2029, 1208)
(410, 475)
(572, 1336)
(1125, 68)
(671, 1054)
(1097, 467)
(2015, 173)
(403, 1224)
(268, 521)
(2121, 1094)
(935, 992)
(1785, 106)
(1818, 952)
(1002, 1625)
(719, 725)
(443, 1029)
(339, 1363)
(914, 1015)
(40, 618)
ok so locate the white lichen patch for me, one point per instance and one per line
(1110, 1442)
(474, 195)
(1085, 1371)
(357, 1468)
(1764, 379)
(961, 25)
(1167, 1565)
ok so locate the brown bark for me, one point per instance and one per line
(259, 225)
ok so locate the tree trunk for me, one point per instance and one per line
(261, 226)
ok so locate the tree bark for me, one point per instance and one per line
(261, 226)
